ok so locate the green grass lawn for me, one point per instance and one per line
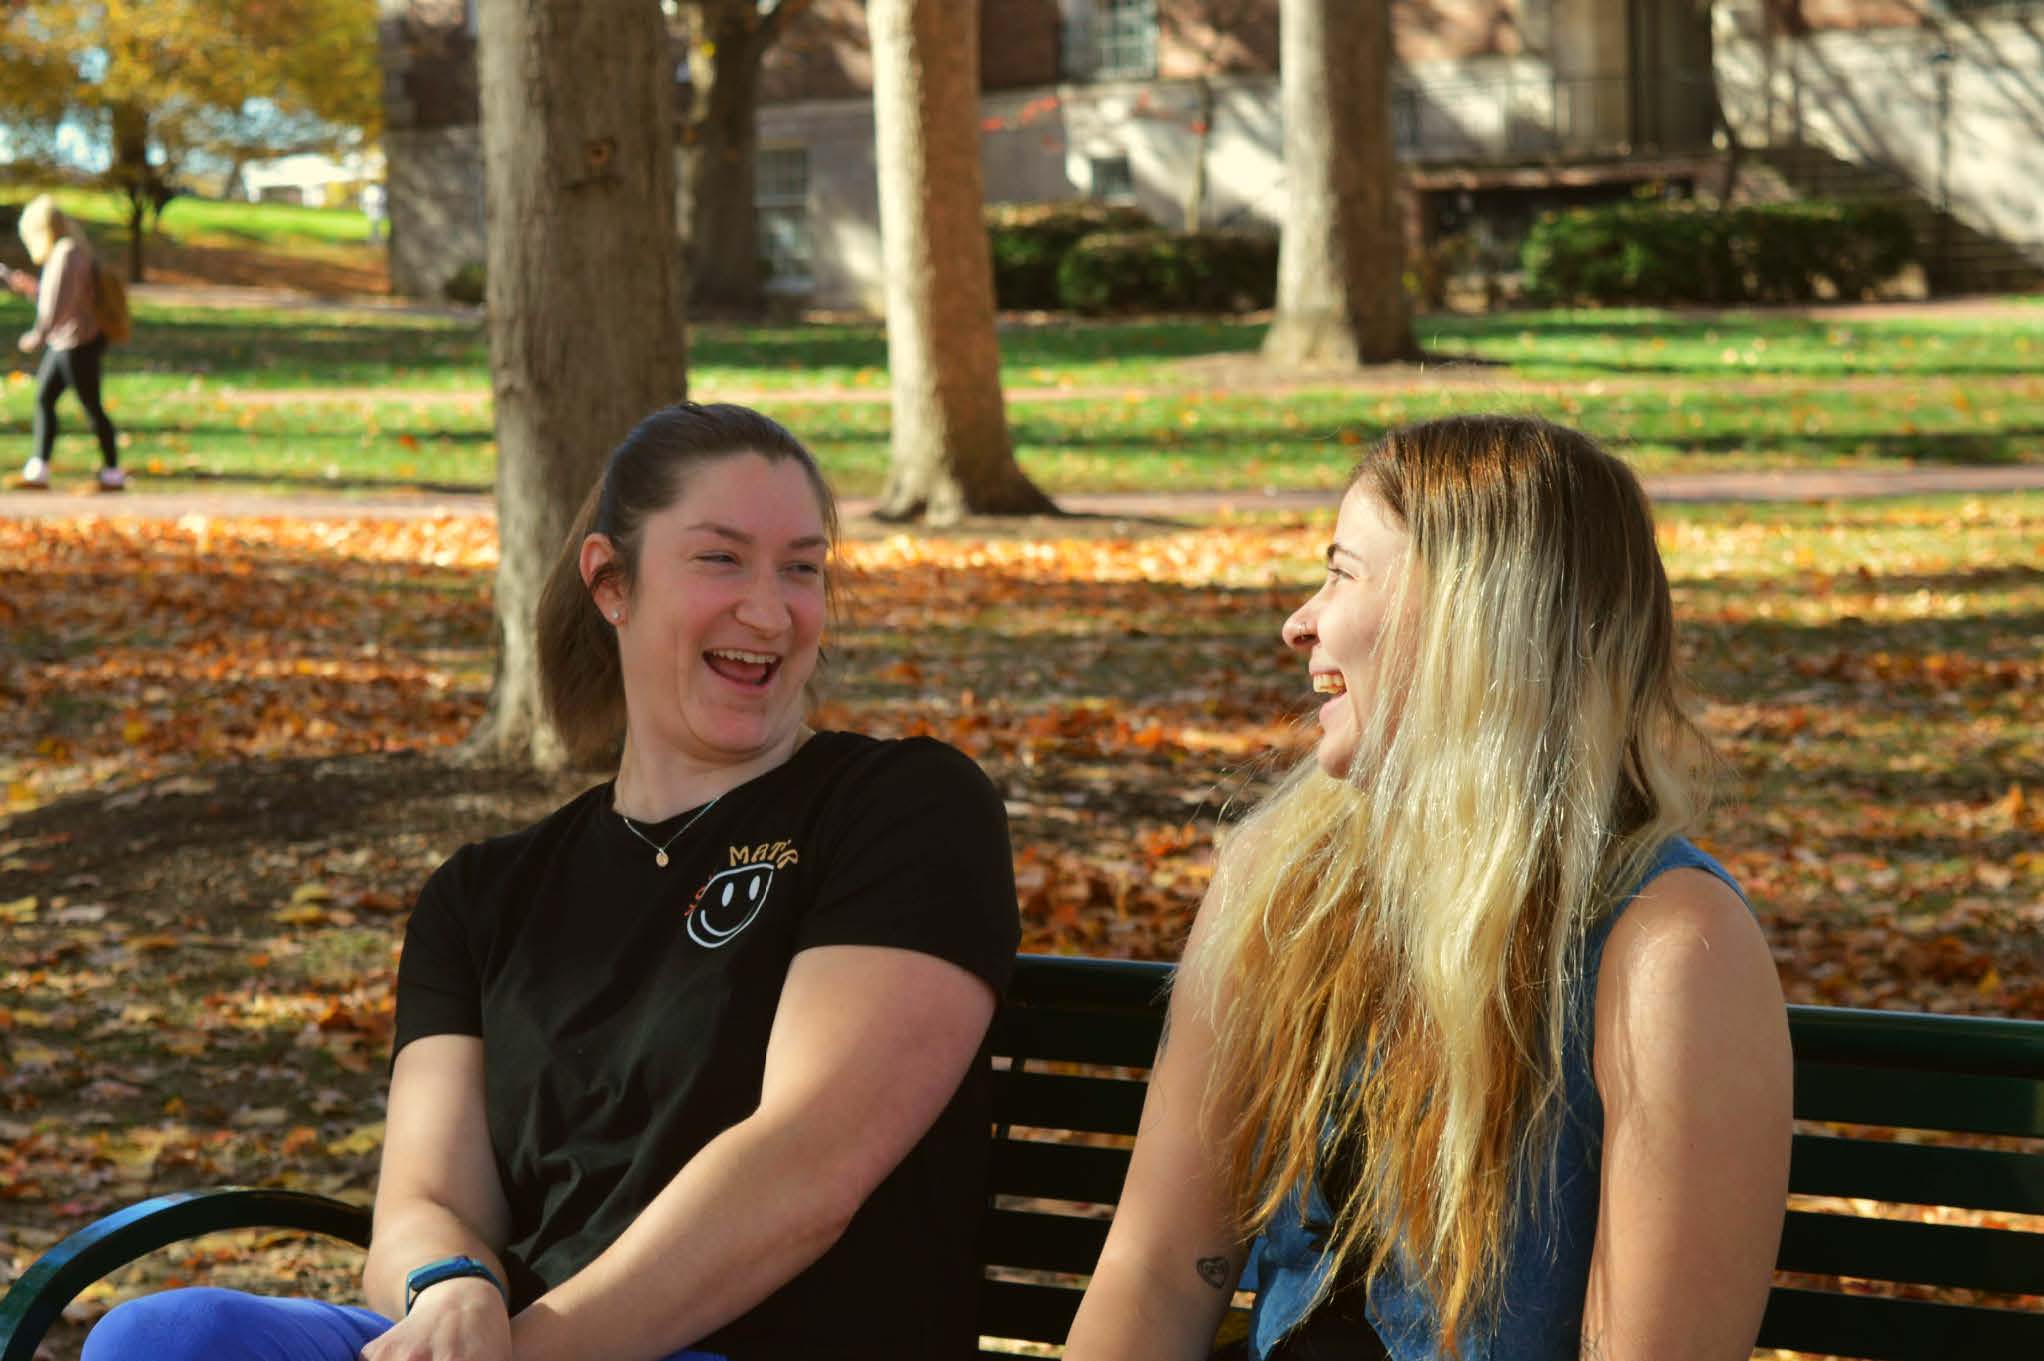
(1098, 406)
(280, 226)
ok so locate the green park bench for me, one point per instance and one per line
(1076, 1033)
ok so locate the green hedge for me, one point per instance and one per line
(1679, 252)
(1030, 241)
(1160, 271)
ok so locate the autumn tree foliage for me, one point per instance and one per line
(1341, 291)
(951, 454)
(159, 79)
(585, 302)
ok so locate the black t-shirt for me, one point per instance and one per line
(625, 1008)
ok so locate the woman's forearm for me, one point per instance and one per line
(756, 1206)
(407, 1237)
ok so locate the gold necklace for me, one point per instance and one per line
(660, 848)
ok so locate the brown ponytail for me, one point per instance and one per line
(579, 678)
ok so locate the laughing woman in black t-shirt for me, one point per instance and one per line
(693, 1066)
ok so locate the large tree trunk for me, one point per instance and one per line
(584, 291)
(951, 454)
(1341, 261)
(719, 155)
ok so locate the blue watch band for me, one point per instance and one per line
(449, 1269)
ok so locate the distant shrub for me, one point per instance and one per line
(1029, 242)
(1162, 271)
(466, 284)
(1680, 252)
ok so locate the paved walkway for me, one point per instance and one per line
(144, 502)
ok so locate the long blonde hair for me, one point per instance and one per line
(43, 224)
(1395, 952)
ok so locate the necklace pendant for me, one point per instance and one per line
(660, 859)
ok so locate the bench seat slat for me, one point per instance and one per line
(1097, 1105)
(1024, 1167)
(1901, 1250)
(1903, 1098)
(1873, 1328)
(1041, 1242)
(1917, 1174)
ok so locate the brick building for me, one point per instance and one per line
(1499, 107)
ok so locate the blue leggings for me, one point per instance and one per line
(204, 1323)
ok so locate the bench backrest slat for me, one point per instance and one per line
(1025, 1312)
(1896, 1329)
(1042, 1242)
(1068, 1101)
(1061, 1171)
(1969, 1103)
(1917, 1174)
(1900, 1250)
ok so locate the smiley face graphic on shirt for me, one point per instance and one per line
(727, 904)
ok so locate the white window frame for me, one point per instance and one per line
(1110, 39)
(1125, 192)
(784, 197)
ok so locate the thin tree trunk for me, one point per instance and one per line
(584, 291)
(1341, 260)
(1202, 145)
(719, 153)
(951, 454)
(131, 171)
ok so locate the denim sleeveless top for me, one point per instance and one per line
(1547, 1264)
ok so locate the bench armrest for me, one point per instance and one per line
(109, 1243)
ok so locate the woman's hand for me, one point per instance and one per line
(458, 1320)
(27, 343)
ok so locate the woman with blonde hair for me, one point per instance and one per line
(68, 327)
(1471, 1049)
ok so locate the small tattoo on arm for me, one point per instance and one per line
(1214, 1271)
(1591, 1350)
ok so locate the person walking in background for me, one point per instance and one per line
(68, 330)
(1488, 1060)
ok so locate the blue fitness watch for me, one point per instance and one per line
(449, 1269)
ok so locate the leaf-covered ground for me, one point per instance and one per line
(227, 768)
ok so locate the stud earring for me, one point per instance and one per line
(616, 615)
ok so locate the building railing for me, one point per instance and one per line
(1521, 115)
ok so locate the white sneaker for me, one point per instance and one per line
(112, 479)
(35, 473)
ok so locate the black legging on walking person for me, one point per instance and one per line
(78, 368)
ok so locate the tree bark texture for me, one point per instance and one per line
(584, 290)
(951, 454)
(132, 171)
(1202, 147)
(719, 155)
(1341, 258)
